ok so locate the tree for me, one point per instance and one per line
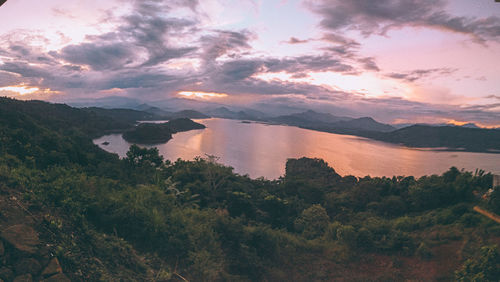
(312, 222)
(140, 157)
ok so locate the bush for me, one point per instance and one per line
(470, 220)
(364, 239)
(312, 222)
(406, 223)
(347, 235)
(331, 231)
(484, 267)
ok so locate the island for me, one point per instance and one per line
(155, 133)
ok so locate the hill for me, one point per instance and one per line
(451, 137)
(192, 114)
(462, 138)
(125, 115)
(364, 123)
(247, 114)
(153, 110)
(156, 133)
(93, 122)
(330, 123)
(69, 210)
(308, 118)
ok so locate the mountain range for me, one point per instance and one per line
(467, 137)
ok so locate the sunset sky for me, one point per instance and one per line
(398, 61)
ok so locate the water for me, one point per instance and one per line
(262, 150)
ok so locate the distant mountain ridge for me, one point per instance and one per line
(330, 123)
(467, 137)
(310, 116)
(246, 114)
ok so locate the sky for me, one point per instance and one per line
(399, 61)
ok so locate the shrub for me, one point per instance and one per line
(312, 222)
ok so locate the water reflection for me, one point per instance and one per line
(261, 150)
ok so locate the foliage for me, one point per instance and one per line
(486, 267)
(201, 221)
(312, 221)
(155, 133)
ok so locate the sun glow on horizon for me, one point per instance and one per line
(201, 94)
(26, 91)
(20, 89)
(366, 84)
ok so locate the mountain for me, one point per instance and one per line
(274, 109)
(146, 113)
(70, 211)
(246, 114)
(470, 125)
(221, 112)
(183, 103)
(452, 137)
(330, 123)
(127, 115)
(106, 102)
(91, 122)
(364, 123)
(403, 125)
(309, 117)
(187, 114)
(153, 110)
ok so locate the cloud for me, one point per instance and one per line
(222, 42)
(8, 79)
(237, 70)
(308, 63)
(148, 27)
(25, 70)
(295, 40)
(493, 97)
(388, 109)
(341, 45)
(369, 63)
(98, 57)
(418, 74)
(378, 17)
(134, 79)
(144, 54)
(238, 75)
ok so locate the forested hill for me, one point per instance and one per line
(451, 137)
(156, 133)
(59, 117)
(145, 219)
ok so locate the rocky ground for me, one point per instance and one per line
(24, 256)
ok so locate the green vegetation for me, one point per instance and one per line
(155, 133)
(143, 218)
(452, 137)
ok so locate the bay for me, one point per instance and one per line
(261, 150)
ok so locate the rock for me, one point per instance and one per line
(28, 265)
(57, 278)
(53, 268)
(6, 273)
(24, 278)
(2, 249)
(22, 237)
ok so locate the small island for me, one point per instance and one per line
(155, 133)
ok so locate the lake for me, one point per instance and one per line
(262, 150)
